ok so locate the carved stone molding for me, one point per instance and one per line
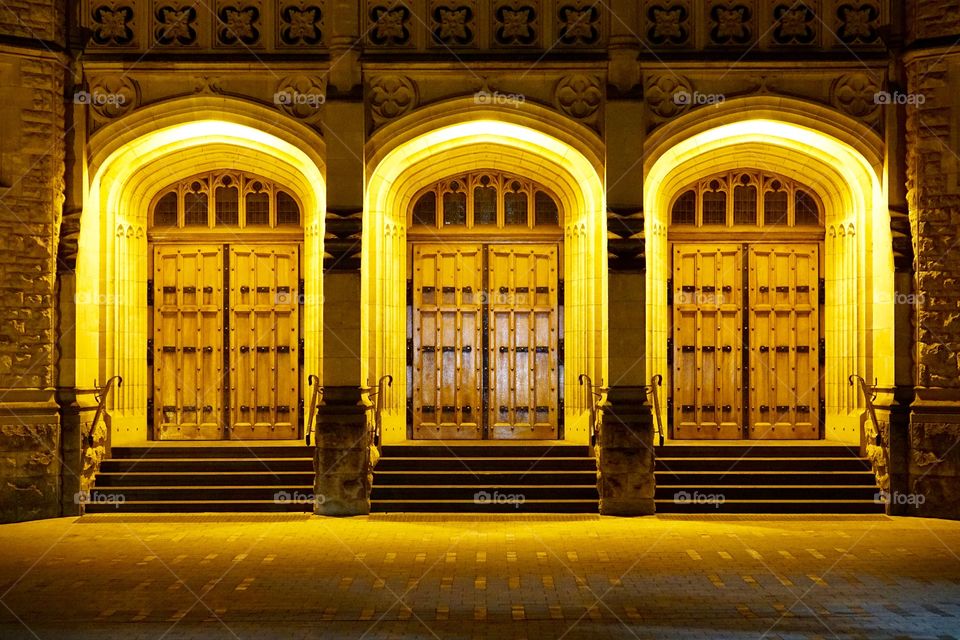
(856, 94)
(391, 96)
(579, 96)
(113, 96)
(663, 91)
(301, 96)
(342, 241)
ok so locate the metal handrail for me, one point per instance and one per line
(869, 394)
(379, 396)
(655, 382)
(877, 453)
(315, 398)
(101, 394)
(598, 396)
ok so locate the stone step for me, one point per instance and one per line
(721, 478)
(734, 463)
(485, 477)
(481, 492)
(457, 506)
(231, 450)
(200, 506)
(205, 478)
(212, 465)
(756, 450)
(772, 507)
(486, 464)
(766, 492)
(485, 449)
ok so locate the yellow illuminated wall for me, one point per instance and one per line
(842, 162)
(130, 160)
(429, 145)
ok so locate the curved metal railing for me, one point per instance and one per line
(315, 398)
(378, 396)
(655, 383)
(598, 398)
(101, 396)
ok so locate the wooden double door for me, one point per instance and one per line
(485, 341)
(746, 346)
(225, 341)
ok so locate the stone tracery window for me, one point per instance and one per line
(224, 199)
(746, 198)
(485, 199)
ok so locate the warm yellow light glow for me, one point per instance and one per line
(858, 261)
(130, 160)
(418, 160)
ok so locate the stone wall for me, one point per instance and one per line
(31, 197)
(933, 145)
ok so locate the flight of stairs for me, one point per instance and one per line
(764, 478)
(192, 478)
(482, 477)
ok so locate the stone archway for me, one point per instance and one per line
(129, 161)
(418, 155)
(844, 167)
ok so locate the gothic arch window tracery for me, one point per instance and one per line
(485, 200)
(746, 198)
(225, 199)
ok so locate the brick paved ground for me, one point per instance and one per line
(430, 577)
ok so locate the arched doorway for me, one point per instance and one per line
(839, 163)
(224, 298)
(133, 162)
(745, 350)
(457, 140)
(486, 256)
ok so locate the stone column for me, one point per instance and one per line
(31, 188)
(342, 456)
(893, 409)
(932, 147)
(625, 452)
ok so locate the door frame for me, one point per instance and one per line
(484, 241)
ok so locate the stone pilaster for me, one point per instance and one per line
(625, 455)
(342, 456)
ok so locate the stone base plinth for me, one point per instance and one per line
(625, 455)
(342, 456)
